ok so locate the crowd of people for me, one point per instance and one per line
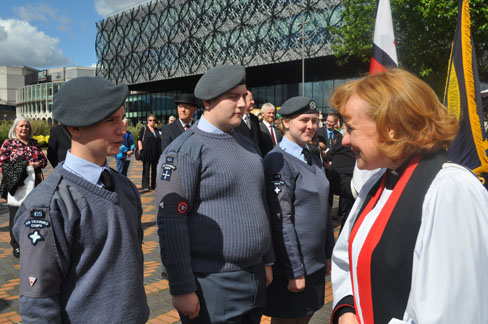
(244, 207)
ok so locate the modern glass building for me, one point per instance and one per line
(35, 99)
(162, 47)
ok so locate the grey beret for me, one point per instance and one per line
(219, 80)
(298, 105)
(85, 101)
(186, 98)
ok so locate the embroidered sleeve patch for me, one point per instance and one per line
(182, 207)
(35, 237)
(167, 168)
(37, 213)
(277, 183)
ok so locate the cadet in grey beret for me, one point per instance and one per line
(298, 105)
(219, 80)
(85, 101)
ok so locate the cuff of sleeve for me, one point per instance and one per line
(182, 288)
(345, 305)
(269, 258)
(295, 273)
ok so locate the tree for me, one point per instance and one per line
(424, 31)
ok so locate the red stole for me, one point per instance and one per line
(374, 236)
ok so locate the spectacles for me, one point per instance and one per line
(151, 120)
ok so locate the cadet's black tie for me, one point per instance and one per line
(308, 156)
(107, 180)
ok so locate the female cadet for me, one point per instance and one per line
(414, 248)
(301, 224)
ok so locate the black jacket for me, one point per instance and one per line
(254, 133)
(59, 143)
(170, 132)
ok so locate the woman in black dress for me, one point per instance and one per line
(149, 143)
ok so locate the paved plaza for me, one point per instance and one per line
(157, 291)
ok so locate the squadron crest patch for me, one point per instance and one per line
(168, 168)
(182, 207)
(35, 237)
(277, 183)
(32, 281)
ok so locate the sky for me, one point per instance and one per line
(53, 33)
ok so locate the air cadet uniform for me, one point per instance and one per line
(80, 234)
(213, 224)
(302, 230)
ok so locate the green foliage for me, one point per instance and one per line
(135, 130)
(424, 31)
(40, 127)
(4, 128)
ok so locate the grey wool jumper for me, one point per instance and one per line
(212, 213)
(81, 257)
(303, 235)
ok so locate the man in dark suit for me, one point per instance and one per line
(329, 135)
(271, 134)
(340, 165)
(186, 105)
(59, 143)
(249, 126)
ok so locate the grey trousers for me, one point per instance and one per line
(236, 297)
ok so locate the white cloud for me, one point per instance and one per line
(43, 12)
(109, 7)
(26, 45)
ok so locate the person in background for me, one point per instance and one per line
(80, 231)
(59, 143)
(186, 105)
(125, 150)
(271, 133)
(149, 142)
(171, 119)
(414, 248)
(213, 224)
(19, 153)
(249, 126)
(302, 231)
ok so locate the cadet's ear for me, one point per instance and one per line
(74, 131)
(206, 104)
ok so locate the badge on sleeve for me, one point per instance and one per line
(182, 207)
(38, 213)
(32, 281)
(277, 183)
(36, 223)
(168, 168)
(35, 237)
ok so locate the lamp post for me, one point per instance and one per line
(303, 54)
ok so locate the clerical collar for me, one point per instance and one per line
(392, 176)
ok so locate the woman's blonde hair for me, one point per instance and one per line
(400, 102)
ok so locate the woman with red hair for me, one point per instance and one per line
(414, 248)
